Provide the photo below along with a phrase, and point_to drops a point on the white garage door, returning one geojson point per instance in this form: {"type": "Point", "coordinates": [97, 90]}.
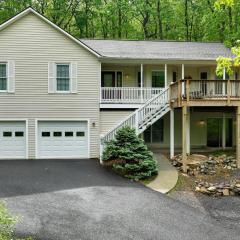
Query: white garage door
{"type": "Point", "coordinates": [62, 139]}
{"type": "Point", "coordinates": [12, 140]}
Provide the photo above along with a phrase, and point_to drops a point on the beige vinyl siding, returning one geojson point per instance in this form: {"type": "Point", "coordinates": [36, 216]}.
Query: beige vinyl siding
{"type": "Point", "coordinates": [31, 138]}
{"type": "Point", "coordinates": [109, 119]}
{"type": "Point", "coordinates": [32, 43]}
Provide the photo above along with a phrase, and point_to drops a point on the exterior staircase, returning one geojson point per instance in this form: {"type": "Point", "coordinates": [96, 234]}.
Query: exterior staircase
{"type": "Point", "coordinates": [142, 118]}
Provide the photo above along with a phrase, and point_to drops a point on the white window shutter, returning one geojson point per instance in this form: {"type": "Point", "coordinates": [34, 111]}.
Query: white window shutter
{"type": "Point", "coordinates": [11, 76]}
{"type": "Point", "coordinates": [51, 77]}
{"type": "Point", "coordinates": [74, 82]}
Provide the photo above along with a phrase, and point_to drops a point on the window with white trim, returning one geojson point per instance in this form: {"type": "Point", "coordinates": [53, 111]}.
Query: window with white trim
{"type": "Point", "coordinates": [3, 77]}
{"type": "Point", "coordinates": [158, 79]}
{"type": "Point", "coordinates": [63, 77]}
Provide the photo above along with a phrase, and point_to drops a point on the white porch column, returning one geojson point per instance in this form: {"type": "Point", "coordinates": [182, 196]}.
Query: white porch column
{"type": "Point", "coordinates": [141, 83]}
{"type": "Point", "coordinates": [183, 75]}
{"type": "Point", "coordinates": [183, 71]}
{"type": "Point", "coordinates": [224, 132]}
{"type": "Point", "coordinates": [166, 76]}
{"type": "Point", "coordinates": [188, 131]}
{"type": "Point", "coordinates": [172, 133]}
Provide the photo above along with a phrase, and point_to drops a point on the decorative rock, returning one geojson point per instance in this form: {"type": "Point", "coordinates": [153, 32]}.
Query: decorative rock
{"type": "Point", "coordinates": [226, 192]}
{"type": "Point", "coordinates": [212, 189]}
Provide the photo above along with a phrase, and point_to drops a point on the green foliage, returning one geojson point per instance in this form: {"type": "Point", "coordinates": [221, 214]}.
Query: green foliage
{"type": "Point", "coordinates": [224, 63]}
{"type": "Point", "coordinates": [223, 3]}
{"type": "Point", "coordinates": [229, 63]}
{"type": "Point", "coordinates": [134, 160]}
{"type": "Point", "coordinates": [6, 225]}
{"type": "Point", "coordinates": [213, 20]}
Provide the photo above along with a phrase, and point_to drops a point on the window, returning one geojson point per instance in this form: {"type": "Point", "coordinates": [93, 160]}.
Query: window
{"type": "Point", "coordinates": [68, 134]}
{"type": "Point", "coordinates": [57, 134]}
{"type": "Point", "coordinates": [3, 77]}
{"type": "Point", "coordinates": [7, 134]}
{"type": "Point", "coordinates": [174, 76]}
{"type": "Point", "coordinates": [80, 134]}
{"type": "Point", "coordinates": [46, 134]}
{"type": "Point", "coordinates": [19, 134]}
{"type": "Point", "coordinates": [63, 77]}
{"type": "Point", "coordinates": [158, 79]}
{"type": "Point", "coordinates": [155, 133]}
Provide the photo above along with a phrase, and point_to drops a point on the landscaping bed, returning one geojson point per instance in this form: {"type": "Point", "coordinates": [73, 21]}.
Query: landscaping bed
{"type": "Point", "coordinates": [215, 174]}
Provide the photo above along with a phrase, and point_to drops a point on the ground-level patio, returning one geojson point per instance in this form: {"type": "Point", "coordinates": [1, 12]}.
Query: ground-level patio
{"type": "Point", "coordinates": [79, 199]}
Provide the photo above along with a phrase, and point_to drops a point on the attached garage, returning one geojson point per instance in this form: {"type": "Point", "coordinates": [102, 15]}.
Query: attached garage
{"type": "Point", "coordinates": [62, 139]}
{"type": "Point", "coordinates": [13, 140]}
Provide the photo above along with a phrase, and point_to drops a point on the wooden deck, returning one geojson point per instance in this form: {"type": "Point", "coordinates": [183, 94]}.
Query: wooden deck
{"type": "Point", "coordinates": [205, 93]}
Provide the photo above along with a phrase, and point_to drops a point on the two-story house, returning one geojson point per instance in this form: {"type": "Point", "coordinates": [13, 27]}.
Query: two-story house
{"type": "Point", "coordinates": [62, 97]}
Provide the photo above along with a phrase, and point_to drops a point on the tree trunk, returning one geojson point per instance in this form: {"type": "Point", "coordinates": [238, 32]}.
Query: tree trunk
{"type": "Point", "coordinates": [160, 27]}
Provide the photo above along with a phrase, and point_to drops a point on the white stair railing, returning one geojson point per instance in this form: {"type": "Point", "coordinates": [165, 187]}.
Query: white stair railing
{"type": "Point", "coordinates": [148, 114]}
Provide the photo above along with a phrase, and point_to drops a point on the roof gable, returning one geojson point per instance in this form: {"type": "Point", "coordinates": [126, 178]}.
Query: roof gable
{"type": "Point", "coordinates": [31, 10]}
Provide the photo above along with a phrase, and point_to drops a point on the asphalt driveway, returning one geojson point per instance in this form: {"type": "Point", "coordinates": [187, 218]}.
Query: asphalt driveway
{"type": "Point", "coordinates": [73, 200]}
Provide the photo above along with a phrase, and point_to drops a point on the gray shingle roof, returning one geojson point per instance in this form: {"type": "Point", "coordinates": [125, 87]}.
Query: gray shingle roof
{"type": "Point", "coordinates": [167, 50]}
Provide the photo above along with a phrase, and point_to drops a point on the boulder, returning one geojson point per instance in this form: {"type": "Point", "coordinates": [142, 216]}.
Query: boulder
{"type": "Point", "coordinates": [226, 192]}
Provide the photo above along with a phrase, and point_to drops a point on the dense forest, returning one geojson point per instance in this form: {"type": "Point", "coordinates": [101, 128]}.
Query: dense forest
{"type": "Point", "coordinates": [188, 20]}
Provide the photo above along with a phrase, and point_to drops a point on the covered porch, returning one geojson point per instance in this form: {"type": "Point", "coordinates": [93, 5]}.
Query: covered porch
{"type": "Point", "coordinates": [135, 83]}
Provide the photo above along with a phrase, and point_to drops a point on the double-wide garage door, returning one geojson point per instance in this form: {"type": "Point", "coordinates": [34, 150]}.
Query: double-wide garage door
{"type": "Point", "coordinates": [13, 140]}
{"type": "Point", "coordinates": [62, 139]}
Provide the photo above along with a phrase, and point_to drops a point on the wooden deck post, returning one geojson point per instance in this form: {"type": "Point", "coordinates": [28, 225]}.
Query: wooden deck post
{"type": "Point", "coordinates": [238, 136]}
{"type": "Point", "coordinates": [179, 93]}
{"type": "Point", "coordinates": [184, 138]}
{"type": "Point", "coordinates": [188, 131]}
{"type": "Point", "coordinates": [172, 133]}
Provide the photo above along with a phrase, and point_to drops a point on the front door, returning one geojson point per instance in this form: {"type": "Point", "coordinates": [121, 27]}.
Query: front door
{"type": "Point", "coordinates": [158, 79]}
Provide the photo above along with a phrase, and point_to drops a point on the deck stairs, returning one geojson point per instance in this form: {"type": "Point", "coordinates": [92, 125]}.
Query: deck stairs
{"type": "Point", "coordinates": [142, 118]}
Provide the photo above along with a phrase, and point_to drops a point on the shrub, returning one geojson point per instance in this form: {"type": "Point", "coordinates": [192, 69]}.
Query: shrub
{"type": "Point", "coordinates": [129, 156]}
{"type": "Point", "coordinates": [6, 225]}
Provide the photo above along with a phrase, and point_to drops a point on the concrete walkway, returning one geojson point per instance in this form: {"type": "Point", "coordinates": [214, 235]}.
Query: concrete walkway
{"type": "Point", "coordinates": [167, 175]}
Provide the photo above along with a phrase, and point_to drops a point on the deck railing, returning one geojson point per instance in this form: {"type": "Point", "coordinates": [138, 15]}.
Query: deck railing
{"type": "Point", "coordinates": [205, 89]}
{"type": "Point", "coordinates": [128, 95]}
